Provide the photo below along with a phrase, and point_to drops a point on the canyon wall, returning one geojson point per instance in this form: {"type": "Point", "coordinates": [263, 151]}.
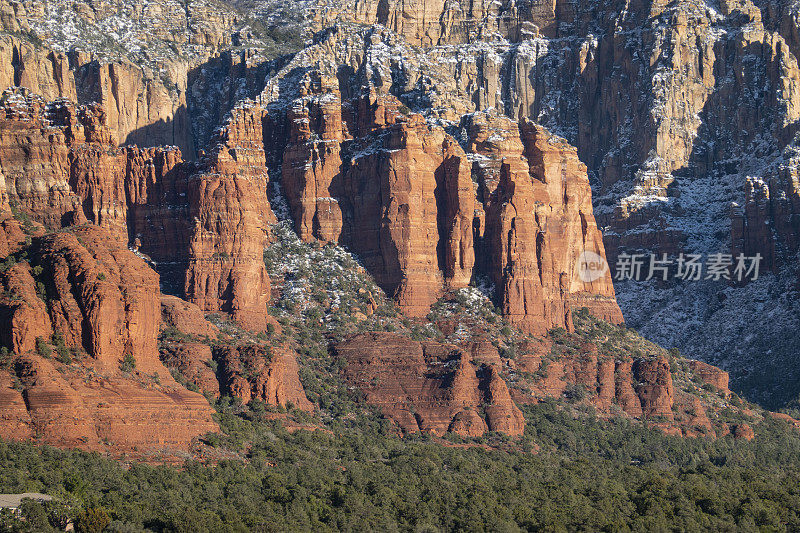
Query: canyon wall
{"type": "Point", "coordinates": [418, 205]}
{"type": "Point", "coordinates": [685, 114]}
{"type": "Point", "coordinates": [444, 144]}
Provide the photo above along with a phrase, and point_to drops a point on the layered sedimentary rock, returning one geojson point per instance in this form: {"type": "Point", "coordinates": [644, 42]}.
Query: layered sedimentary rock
{"type": "Point", "coordinates": [441, 22]}
{"type": "Point", "coordinates": [402, 194]}
{"type": "Point", "coordinates": [61, 161]}
{"type": "Point", "coordinates": [63, 408]}
{"type": "Point", "coordinates": [640, 387]}
{"type": "Point", "coordinates": [679, 109]}
{"type": "Point", "coordinates": [469, 387]}
{"type": "Point", "coordinates": [462, 188]}
{"type": "Point", "coordinates": [712, 376]}
{"type": "Point", "coordinates": [246, 371]}
{"type": "Point", "coordinates": [141, 108]}
{"type": "Point", "coordinates": [391, 188]}
{"type": "Point", "coordinates": [143, 82]}
{"type": "Point", "coordinates": [268, 374]}
{"type": "Point", "coordinates": [16, 421]}
{"type": "Point", "coordinates": [25, 315]}
{"type": "Point", "coordinates": [768, 223]}
{"type": "Point", "coordinates": [101, 297]}
{"type": "Point", "coordinates": [429, 387]}
{"type": "Point", "coordinates": [185, 341]}
{"type": "Point", "coordinates": [230, 215]}
{"type": "Point", "coordinates": [538, 223]}
{"type": "Point", "coordinates": [186, 317]}
{"type": "Point", "coordinates": [363, 172]}
{"type": "Point", "coordinates": [62, 167]}
{"type": "Point", "coordinates": [99, 303]}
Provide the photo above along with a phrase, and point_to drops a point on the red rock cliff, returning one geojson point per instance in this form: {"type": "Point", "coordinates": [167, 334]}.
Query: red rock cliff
{"type": "Point", "coordinates": [230, 215]}
{"type": "Point", "coordinates": [400, 193]}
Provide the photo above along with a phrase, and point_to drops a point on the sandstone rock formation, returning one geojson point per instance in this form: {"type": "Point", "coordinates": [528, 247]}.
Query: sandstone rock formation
{"type": "Point", "coordinates": [401, 194]}
{"type": "Point", "coordinates": [423, 144]}
{"type": "Point", "coordinates": [429, 387]}
{"type": "Point", "coordinates": [144, 83]}
{"type": "Point", "coordinates": [101, 300]}
{"type": "Point", "coordinates": [62, 167]}
{"type": "Point", "coordinates": [230, 216]}
{"type": "Point", "coordinates": [256, 372]}
{"type": "Point", "coordinates": [186, 318]}
{"type": "Point", "coordinates": [109, 414]}
{"type": "Point", "coordinates": [677, 109]}
{"type": "Point", "coordinates": [641, 388]}
{"type": "Point", "coordinates": [711, 375]}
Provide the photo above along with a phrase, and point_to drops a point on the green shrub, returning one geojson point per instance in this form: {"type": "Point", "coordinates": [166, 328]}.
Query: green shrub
{"type": "Point", "coordinates": [93, 520]}
{"type": "Point", "coordinates": [42, 348]}
{"type": "Point", "coordinates": [128, 363]}
{"type": "Point", "coordinates": [5, 357]}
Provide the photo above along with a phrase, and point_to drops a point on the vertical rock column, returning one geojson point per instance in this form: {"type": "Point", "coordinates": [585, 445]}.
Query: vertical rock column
{"type": "Point", "coordinates": [230, 216]}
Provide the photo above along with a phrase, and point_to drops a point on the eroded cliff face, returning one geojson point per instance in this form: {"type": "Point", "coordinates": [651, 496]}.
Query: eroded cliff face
{"type": "Point", "coordinates": [253, 372]}
{"type": "Point", "coordinates": [204, 226]}
{"type": "Point", "coordinates": [400, 196]}
{"type": "Point", "coordinates": [429, 387]}
{"type": "Point", "coordinates": [91, 214]}
{"type": "Point", "coordinates": [141, 108]}
{"type": "Point", "coordinates": [165, 73]}
{"type": "Point", "coordinates": [230, 213]}
{"type": "Point", "coordinates": [97, 303]}
{"type": "Point", "coordinates": [471, 387]}
{"type": "Point", "coordinates": [679, 110]}
{"type": "Point", "coordinates": [767, 223]}
{"type": "Point", "coordinates": [418, 207]}
{"type": "Point", "coordinates": [424, 146]}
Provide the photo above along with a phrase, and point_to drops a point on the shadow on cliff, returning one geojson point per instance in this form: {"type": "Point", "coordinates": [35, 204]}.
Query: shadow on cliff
{"type": "Point", "coordinates": [161, 227]}
{"type": "Point", "coordinates": [739, 120]}
{"type": "Point", "coordinates": [216, 86]}
{"type": "Point", "coordinates": [166, 132]}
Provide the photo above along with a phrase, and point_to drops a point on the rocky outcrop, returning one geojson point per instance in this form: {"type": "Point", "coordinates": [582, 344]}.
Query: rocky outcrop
{"type": "Point", "coordinates": [35, 158]}
{"type": "Point", "coordinates": [401, 193]}
{"type": "Point", "coordinates": [141, 108]}
{"type": "Point", "coordinates": [62, 167]}
{"type": "Point", "coordinates": [101, 297]}
{"type": "Point", "coordinates": [25, 314]}
{"type": "Point", "coordinates": [251, 372]}
{"type": "Point", "coordinates": [639, 387]}
{"type": "Point", "coordinates": [441, 22]}
{"type": "Point", "coordinates": [768, 223]}
{"type": "Point", "coordinates": [193, 362]}
{"type": "Point", "coordinates": [743, 431]}
{"type": "Point", "coordinates": [63, 408]}
{"type": "Point", "coordinates": [143, 82]}
{"type": "Point", "coordinates": [186, 318]}
{"type": "Point", "coordinates": [429, 387]}
{"type": "Point", "coordinates": [16, 421]}
{"type": "Point", "coordinates": [60, 161]}
{"type": "Point", "coordinates": [538, 222]}
{"type": "Point", "coordinates": [654, 389]}
{"type": "Point", "coordinates": [711, 375]}
{"type": "Point", "coordinates": [94, 297]}
{"type": "Point", "coordinates": [230, 213]}
{"type": "Point", "coordinates": [391, 188]}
